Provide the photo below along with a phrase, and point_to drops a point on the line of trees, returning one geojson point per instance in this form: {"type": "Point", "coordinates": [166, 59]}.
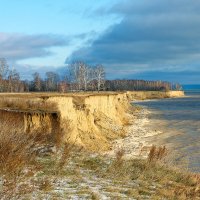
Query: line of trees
{"type": "Point", "coordinates": [79, 77]}
{"type": "Point", "coordinates": [114, 85]}
{"type": "Point", "coordinates": [49, 83]}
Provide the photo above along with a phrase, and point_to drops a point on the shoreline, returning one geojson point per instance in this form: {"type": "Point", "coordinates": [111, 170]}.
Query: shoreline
{"type": "Point", "coordinates": [136, 143]}
{"type": "Point", "coordinates": [179, 135]}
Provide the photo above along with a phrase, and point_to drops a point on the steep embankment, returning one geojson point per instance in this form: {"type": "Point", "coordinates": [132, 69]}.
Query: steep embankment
{"type": "Point", "coordinates": [90, 120]}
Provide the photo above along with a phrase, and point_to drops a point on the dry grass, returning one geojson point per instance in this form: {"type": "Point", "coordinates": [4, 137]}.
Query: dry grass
{"type": "Point", "coordinates": [65, 154]}
{"type": "Point", "coordinates": [119, 157]}
{"type": "Point", "coordinates": [56, 94]}
{"type": "Point", "coordinates": [15, 145]}
{"type": "Point", "coordinates": [15, 153]}
{"type": "Point", "coordinates": [156, 154]}
{"type": "Point", "coordinates": [27, 104]}
{"type": "Point", "coordinates": [45, 185]}
{"type": "Point", "coordinates": [55, 163]}
{"type": "Point", "coordinates": [11, 121]}
{"type": "Point", "coordinates": [18, 148]}
{"type": "Point", "coordinates": [23, 155]}
{"type": "Point", "coordinates": [167, 182]}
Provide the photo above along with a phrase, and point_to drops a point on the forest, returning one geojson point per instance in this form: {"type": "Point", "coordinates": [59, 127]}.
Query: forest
{"type": "Point", "coordinates": [79, 76]}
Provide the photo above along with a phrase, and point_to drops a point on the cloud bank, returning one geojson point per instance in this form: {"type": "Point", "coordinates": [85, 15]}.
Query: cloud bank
{"type": "Point", "coordinates": [153, 36]}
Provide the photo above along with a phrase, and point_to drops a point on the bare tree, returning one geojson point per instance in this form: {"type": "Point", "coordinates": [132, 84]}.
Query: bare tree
{"type": "Point", "coordinates": [80, 75]}
{"type": "Point", "coordinates": [52, 79]}
{"type": "Point", "coordinates": [74, 76]}
{"type": "Point", "coordinates": [4, 68]}
{"type": "Point", "coordinates": [3, 73]}
{"type": "Point", "coordinates": [63, 86]}
{"type": "Point", "coordinates": [99, 76]}
{"type": "Point", "coordinates": [37, 82]}
{"type": "Point", "coordinates": [85, 75]}
{"type": "Point", "coordinates": [14, 81]}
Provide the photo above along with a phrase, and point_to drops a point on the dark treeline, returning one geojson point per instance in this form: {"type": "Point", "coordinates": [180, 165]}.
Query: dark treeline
{"type": "Point", "coordinates": [79, 77]}
{"type": "Point", "coordinates": [137, 85]}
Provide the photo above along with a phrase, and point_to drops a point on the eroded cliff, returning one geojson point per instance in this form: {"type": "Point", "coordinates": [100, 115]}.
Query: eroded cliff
{"type": "Point", "coordinates": [89, 120]}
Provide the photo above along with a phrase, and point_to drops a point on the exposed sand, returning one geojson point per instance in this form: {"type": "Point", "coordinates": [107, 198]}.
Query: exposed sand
{"type": "Point", "coordinates": [136, 143]}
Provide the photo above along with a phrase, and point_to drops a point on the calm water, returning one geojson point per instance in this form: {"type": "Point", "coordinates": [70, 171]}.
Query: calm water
{"type": "Point", "coordinates": [179, 119]}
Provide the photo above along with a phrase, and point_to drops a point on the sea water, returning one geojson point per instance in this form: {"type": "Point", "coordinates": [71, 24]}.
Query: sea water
{"type": "Point", "coordinates": [179, 121]}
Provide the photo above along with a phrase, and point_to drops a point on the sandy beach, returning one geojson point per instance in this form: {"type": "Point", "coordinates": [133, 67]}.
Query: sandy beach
{"type": "Point", "coordinates": [136, 143]}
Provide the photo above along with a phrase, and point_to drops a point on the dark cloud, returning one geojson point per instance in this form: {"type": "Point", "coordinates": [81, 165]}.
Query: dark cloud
{"type": "Point", "coordinates": [152, 35]}
{"type": "Point", "coordinates": [183, 77]}
{"type": "Point", "coordinates": [146, 7]}
{"type": "Point", "coordinates": [17, 46]}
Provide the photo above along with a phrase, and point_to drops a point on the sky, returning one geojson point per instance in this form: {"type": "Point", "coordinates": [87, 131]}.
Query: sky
{"type": "Point", "coordinates": [151, 40]}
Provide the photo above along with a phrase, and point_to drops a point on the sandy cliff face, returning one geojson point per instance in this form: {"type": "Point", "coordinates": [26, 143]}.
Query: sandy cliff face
{"type": "Point", "coordinates": [30, 122]}
{"type": "Point", "coordinates": [175, 94]}
{"type": "Point", "coordinates": [40, 121]}
{"type": "Point", "coordinates": [93, 120]}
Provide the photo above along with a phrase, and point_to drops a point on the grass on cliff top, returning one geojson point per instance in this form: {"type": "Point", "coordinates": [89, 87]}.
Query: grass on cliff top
{"type": "Point", "coordinates": [38, 101]}
{"type": "Point", "coordinates": [27, 104]}
{"type": "Point", "coordinates": [57, 94]}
